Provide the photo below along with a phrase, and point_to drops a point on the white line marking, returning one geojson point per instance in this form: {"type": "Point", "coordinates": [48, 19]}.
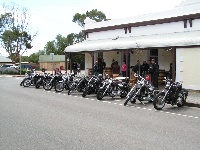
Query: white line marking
{"type": "Point", "coordinates": [173, 113]}
{"type": "Point", "coordinates": [178, 114]}
{"type": "Point", "coordinates": [121, 104]}
{"type": "Point", "coordinates": [75, 96]}
{"type": "Point", "coordinates": [196, 117]}
{"type": "Point", "coordinates": [149, 109]}
{"type": "Point", "coordinates": [109, 102]}
{"type": "Point", "coordinates": [115, 103]}
{"type": "Point", "coordinates": [138, 107]}
{"type": "Point", "coordinates": [64, 94]}
{"type": "Point", "coordinates": [92, 99]}
{"type": "Point", "coordinates": [167, 112]}
{"type": "Point", "coordinates": [117, 100]}
{"type": "Point", "coordinates": [144, 108]}
{"type": "Point", "coordinates": [104, 101]}
{"type": "Point", "coordinates": [190, 116]}
{"type": "Point", "coordinates": [184, 115]}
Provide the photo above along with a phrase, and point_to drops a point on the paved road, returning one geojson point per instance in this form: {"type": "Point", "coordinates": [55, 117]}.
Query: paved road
{"type": "Point", "coordinates": [36, 119]}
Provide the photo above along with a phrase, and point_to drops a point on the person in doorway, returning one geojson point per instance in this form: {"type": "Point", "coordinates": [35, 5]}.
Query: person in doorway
{"type": "Point", "coordinates": [145, 68]}
{"type": "Point", "coordinates": [96, 69]}
{"type": "Point", "coordinates": [116, 68]}
{"type": "Point", "coordinates": [138, 68]}
{"type": "Point", "coordinates": [113, 62]}
{"type": "Point", "coordinates": [123, 69]}
{"type": "Point", "coordinates": [75, 66]}
{"type": "Point", "coordinates": [103, 64]}
{"type": "Point", "coordinates": [154, 70]}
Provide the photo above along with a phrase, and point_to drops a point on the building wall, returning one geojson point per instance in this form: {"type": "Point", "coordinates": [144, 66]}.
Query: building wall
{"type": "Point", "coordinates": [49, 66]}
{"type": "Point", "coordinates": [146, 30]}
{"type": "Point", "coordinates": [187, 69]}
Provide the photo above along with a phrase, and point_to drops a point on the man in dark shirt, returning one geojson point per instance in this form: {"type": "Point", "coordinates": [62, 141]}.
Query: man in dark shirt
{"type": "Point", "coordinates": [154, 70]}
{"type": "Point", "coordinates": [75, 67]}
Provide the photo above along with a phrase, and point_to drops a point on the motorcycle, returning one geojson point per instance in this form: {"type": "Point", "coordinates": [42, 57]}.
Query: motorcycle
{"type": "Point", "coordinates": [114, 88]}
{"type": "Point", "coordinates": [142, 91]}
{"type": "Point", "coordinates": [64, 83]}
{"type": "Point", "coordinates": [40, 81]}
{"type": "Point", "coordinates": [28, 76]}
{"type": "Point", "coordinates": [30, 79]}
{"type": "Point", "coordinates": [93, 85]}
{"type": "Point", "coordinates": [78, 84]}
{"type": "Point", "coordinates": [173, 94]}
{"type": "Point", "coordinates": [51, 80]}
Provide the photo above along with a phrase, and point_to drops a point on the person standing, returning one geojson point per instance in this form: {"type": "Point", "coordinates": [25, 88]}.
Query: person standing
{"type": "Point", "coordinates": [138, 68]}
{"type": "Point", "coordinates": [96, 69]}
{"type": "Point", "coordinates": [113, 62]}
{"type": "Point", "coordinates": [116, 68]}
{"type": "Point", "coordinates": [123, 69]}
{"type": "Point", "coordinates": [75, 67]}
{"type": "Point", "coordinates": [145, 68]}
{"type": "Point", "coordinates": [154, 70]}
{"type": "Point", "coordinates": [103, 66]}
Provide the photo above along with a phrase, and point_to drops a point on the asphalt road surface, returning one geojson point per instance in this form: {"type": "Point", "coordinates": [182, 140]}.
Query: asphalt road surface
{"type": "Point", "coordinates": [34, 119]}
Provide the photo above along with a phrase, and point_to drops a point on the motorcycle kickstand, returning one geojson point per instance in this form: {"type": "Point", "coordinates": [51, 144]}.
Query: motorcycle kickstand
{"type": "Point", "coordinates": [142, 103]}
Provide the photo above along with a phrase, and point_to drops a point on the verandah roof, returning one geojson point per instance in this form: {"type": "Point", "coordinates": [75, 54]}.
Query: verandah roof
{"type": "Point", "coordinates": [146, 41]}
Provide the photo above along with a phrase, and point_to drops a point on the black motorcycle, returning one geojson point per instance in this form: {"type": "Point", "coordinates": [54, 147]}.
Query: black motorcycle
{"type": "Point", "coordinates": [112, 88]}
{"type": "Point", "coordinates": [93, 85]}
{"type": "Point", "coordinates": [173, 94]}
{"type": "Point", "coordinates": [30, 80]}
{"type": "Point", "coordinates": [78, 84]}
{"type": "Point", "coordinates": [51, 80]}
{"type": "Point", "coordinates": [142, 91]}
{"type": "Point", "coordinates": [40, 81]}
{"type": "Point", "coordinates": [28, 77]}
{"type": "Point", "coordinates": [64, 83]}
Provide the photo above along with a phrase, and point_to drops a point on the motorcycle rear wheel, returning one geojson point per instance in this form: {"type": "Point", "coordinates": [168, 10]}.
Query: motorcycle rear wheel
{"type": "Point", "coordinates": [158, 101]}
{"type": "Point", "coordinates": [100, 95]}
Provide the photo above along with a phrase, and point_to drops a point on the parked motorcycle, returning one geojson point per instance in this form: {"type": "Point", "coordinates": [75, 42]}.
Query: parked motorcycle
{"type": "Point", "coordinates": [93, 85]}
{"type": "Point", "coordinates": [112, 88]}
{"type": "Point", "coordinates": [78, 84]}
{"type": "Point", "coordinates": [30, 80]}
{"type": "Point", "coordinates": [142, 91]}
{"type": "Point", "coordinates": [51, 80]}
{"type": "Point", "coordinates": [64, 83]}
{"type": "Point", "coordinates": [28, 76]}
{"type": "Point", "coordinates": [173, 94]}
{"type": "Point", "coordinates": [40, 81]}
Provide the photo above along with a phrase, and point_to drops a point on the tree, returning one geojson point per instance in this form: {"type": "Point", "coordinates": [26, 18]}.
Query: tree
{"type": "Point", "coordinates": [34, 58]}
{"type": "Point", "coordinates": [15, 33]}
{"type": "Point", "coordinates": [94, 14]}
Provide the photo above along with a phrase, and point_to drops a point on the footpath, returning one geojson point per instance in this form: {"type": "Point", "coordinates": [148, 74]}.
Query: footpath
{"type": "Point", "coordinates": [193, 99]}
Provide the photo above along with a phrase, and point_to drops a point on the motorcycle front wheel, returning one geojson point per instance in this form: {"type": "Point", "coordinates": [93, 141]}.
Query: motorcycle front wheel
{"type": "Point", "coordinates": [159, 101]}
{"type": "Point", "coordinates": [100, 95]}
{"type": "Point", "coordinates": [59, 87]}
{"type": "Point", "coordinates": [47, 85]}
{"type": "Point", "coordinates": [27, 83]}
{"type": "Point", "coordinates": [84, 92]}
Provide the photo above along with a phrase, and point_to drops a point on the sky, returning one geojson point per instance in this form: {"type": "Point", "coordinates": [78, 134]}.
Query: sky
{"type": "Point", "coordinates": [52, 17]}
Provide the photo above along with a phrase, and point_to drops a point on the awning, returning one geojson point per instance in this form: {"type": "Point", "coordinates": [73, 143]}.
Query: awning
{"type": "Point", "coordinates": [191, 38]}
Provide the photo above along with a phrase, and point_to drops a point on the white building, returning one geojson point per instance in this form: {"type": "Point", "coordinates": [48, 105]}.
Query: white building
{"type": "Point", "coordinates": [171, 36]}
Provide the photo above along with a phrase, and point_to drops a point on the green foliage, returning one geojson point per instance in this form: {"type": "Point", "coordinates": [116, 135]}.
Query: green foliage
{"type": "Point", "coordinates": [15, 36]}
{"type": "Point", "coordinates": [34, 58]}
{"type": "Point", "coordinates": [10, 71]}
{"type": "Point", "coordinates": [94, 14]}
